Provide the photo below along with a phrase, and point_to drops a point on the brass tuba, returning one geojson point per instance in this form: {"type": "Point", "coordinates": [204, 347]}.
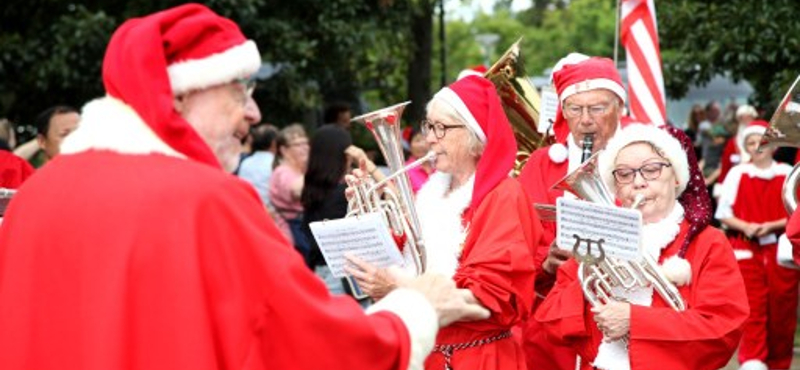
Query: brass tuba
{"type": "Point", "coordinates": [520, 101]}
{"type": "Point", "coordinates": [784, 130]}
{"type": "Point", "coordinates": [396, 202]}
{"type": "Point", "coordinates": [599, 277]}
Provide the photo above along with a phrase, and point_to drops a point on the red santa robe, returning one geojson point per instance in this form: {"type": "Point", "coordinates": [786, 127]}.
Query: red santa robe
{"type": "Point", "coordinates": [545, 167]}
{"type": "Point", "coordinates": [491, 254]}
{"type": "Point", "coordinates": [704, 336]}
{"type": "Point", "coordinates": [123, 254]}
{"type": "Point", "coordinates": [754, 195]}
{"type": "Point", "coordinates": [13, 170]}
{"type": "Point", "coordinates": [732, 155]}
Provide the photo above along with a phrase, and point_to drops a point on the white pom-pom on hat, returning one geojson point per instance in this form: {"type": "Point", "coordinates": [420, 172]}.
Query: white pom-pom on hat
{"type": "Point", "coordinates": [677, 270]}
{"type": "Point", "coordinates": [557, 153]}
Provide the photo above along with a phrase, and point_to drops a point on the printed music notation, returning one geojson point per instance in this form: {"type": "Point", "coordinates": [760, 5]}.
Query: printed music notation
{"type": "Point", "coordinates": [365, 236]}
{"type": "Point", "coordinates": [620, 228]}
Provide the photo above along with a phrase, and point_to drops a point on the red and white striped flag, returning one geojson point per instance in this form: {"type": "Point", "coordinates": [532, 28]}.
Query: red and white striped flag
{"type": "Point", "coordinates": [639, 34]}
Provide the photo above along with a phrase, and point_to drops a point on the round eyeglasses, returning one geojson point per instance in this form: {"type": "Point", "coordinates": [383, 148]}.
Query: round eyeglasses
{"type": "Point", "coordinates": [594, 111]}
{"type": "Point", "coordinates": [439, 129]}
{"type": "Point", "coordinates": [649, 172]}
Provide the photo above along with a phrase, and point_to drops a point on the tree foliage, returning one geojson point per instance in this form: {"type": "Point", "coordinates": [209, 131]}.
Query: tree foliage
{"type": "Point", "coordinates": [752, 40]}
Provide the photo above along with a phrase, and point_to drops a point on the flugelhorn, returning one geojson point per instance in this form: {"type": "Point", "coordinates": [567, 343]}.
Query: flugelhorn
{"type": "Point", "coordinates": [784, 130]}
{"type": "Point", "coordinates": [520, 100]}
{"type": "Point", "coordinates": [395, 202]}
{"type": "Point", "coordinates": [600, 277]}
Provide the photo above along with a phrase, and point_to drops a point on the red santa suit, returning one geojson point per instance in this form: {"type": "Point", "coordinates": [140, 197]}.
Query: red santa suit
{"type": "Point", "coordinates": [703, 336]}
{"type": "Point", "coordinates": [13, 170]}
{"type": "Point", "coordinates": [134, 250]}
{"type": "Point", "coordinates": [483, 235]}
{"type": "Point", "coordinates": [754, 195]}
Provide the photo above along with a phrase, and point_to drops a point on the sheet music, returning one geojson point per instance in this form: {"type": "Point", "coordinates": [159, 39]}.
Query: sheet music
{"type": "Point", "coordinates": [549, 104]}
{"type": "Point", "coordinates": [365, 236]}
{"type": "Point", "coordinates": [619, 227]}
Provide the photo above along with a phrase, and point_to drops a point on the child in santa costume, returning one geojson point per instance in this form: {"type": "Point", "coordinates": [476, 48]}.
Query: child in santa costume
{"type": "Point", "coordinates": [134, 249]}
{"type": "Point", "coordinates": [478, 226]}
{"type": "Point", "coordinates": [751, 208]}
{"type": "Point", "coordinates": [639, 329]}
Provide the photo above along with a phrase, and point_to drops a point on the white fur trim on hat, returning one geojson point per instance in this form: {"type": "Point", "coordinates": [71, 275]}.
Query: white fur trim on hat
{"type": "Point", "coordinates": [753, 365]}
{"type": "Point", "coordinates": [746, 109]}
{"type": "Point", "coordinates": [750, 130]}
{"type": "Point", "coordinates": [195, 74]}
{"type": "Point", "coordinates": [593, 84]}
{"type": "Point", "coordinates": [636, 132]}
{"type": "Point", "coordinates": [450, 97]}
{"type": "Point", "coordinates": [572, 58]}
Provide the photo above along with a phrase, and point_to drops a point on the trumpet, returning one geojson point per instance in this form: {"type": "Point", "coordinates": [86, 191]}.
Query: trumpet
{"type": "Point", "coordinates": [784, 130]}
{"type": "Point", "coordinates": [395, 202]}
{"type": "Point", "coordinates": [600, 275]}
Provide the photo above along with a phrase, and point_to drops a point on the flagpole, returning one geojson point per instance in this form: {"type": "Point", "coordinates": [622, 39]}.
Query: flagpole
{"type": "Point", "coordinates": [616, 35]}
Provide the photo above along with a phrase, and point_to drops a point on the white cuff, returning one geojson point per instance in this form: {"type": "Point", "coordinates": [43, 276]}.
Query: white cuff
{"type": "Point", "coordinates": [419, 317]}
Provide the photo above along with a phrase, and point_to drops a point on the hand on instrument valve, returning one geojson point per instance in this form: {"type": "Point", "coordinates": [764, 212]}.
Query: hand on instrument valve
{"type": "Point", "coordinates": [613, 319]}
{"type": "Point", "coordinates": [555, 258]}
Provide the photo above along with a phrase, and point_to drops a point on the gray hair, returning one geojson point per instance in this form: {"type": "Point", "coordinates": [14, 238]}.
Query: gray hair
{"type": "Point", "coordinates": [473, 142]}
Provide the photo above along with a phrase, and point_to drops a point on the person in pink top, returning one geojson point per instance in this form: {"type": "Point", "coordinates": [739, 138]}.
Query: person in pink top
{"type": "Point", "coordinates": [418, 147]}
{"type": "Point", "coordinates": [286, 183]}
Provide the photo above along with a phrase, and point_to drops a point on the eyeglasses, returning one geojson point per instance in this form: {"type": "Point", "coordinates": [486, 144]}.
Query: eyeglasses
{"type": "Point", "coordinates": [439, 129]}
{"type": "Point", "coordinates": [249, 85]}
{"type": "Point", "coordinates": [649, 172]}
{"type": "Point", "coordinates": [594, 111]}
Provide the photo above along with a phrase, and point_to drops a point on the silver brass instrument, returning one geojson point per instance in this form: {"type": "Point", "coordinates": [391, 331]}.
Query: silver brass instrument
{"type": "Point", "coordinates": [521, 102]}
{"type": "Point", "coordinates": [395, 202]}
{"type": "Point", "coordinates": [599, 273]}
{"type": "Point", "coordinates": [5, 198]}
{"type": "Point", "coordinates": [784, 130]}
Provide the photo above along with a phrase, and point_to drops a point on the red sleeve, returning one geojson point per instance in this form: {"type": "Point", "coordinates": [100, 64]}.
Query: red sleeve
{"type": "Point", "coordinates": [706, 334]}
{"type": "Point", "coordinates": [295, 323]}
{"type": "Point", "coordinates": [725, 162]}
{"type": "Point", "coordinates": [565, 315]}
{"type": "Point", "coordinates": [497, 261]}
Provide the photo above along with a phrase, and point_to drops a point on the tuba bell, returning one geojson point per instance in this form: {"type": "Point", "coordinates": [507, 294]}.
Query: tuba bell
{"type": "Point", "coordinates": [784, 130]}
{"type": "Point", "coordinates": [395, 202]}
{"type": "Point", "coordinates": [598, 279]}
{"type": "Point", "coordinates": [521, 102]}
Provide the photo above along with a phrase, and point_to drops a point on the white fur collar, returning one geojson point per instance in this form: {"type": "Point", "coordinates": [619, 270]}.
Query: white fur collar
{"type": "Point", "coordinates": [768, 173]}
{"type": "Point", "coordinates": [656, 237]}
{"type": "Point", "coordinates": [110, 124]}
{"type": "Point", "coordinates": [440, 216]}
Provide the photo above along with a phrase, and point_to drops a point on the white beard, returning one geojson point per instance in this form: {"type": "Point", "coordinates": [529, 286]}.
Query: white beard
{"type": "Point", "coordinates": [440, 219]}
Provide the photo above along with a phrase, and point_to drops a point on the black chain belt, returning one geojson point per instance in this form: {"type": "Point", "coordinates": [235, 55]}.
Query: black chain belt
{"type": "Point", "coordinates": [447, 349]}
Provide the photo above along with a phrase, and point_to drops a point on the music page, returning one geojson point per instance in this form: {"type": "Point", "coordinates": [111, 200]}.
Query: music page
{"type": "Point", "coordinates": [365, 236]}
{"type": "Point", "coordinates": [618, 228]}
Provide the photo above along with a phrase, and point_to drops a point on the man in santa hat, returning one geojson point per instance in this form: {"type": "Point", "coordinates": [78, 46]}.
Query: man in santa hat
{"type": "Point", "coordinates": [134, 249]}
{"type": "Point", "coordinates": [591, 101]}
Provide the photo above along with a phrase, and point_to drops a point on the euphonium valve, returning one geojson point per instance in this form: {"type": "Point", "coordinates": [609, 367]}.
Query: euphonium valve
{"type": "Point", "coordinates": [396, 202]}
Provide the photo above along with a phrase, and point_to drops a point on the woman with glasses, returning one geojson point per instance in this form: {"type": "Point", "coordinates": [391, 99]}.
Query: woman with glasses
{"type": "Point", "coordinates": [478, 227]}
{"type": "Point", "coordinates": [286, 184]}
{"type": "Point", "coordinates": [638, 329]}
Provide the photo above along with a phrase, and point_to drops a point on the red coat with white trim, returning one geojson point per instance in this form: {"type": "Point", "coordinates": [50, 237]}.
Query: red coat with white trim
{"type": "Point", "coordinates": [702, 337]}
{"type": "Point", "coordinates": [112, 261]}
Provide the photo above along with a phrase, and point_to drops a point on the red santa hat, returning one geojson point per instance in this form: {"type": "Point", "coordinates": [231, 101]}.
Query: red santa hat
{"type": "Point", "coordinates": [149, 60]}
{"type": "Point", "coordinates": [577, 73]}
{"type": "Point", "coordinates": [475, 100]}
{"type": "Point", "coordinates": [756, 127]}
{"type": "Point", "coordinates": [478, 70]}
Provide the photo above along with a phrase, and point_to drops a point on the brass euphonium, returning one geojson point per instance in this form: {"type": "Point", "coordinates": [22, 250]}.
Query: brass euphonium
{"type": "Point", "coordinates": [395, 202]}
{"type": "Point", "coordinates": [784, 130]}
{"type": "Point", "coordinates": [599, 278]}
{"type": "Point", "coordinates": [521, 102]}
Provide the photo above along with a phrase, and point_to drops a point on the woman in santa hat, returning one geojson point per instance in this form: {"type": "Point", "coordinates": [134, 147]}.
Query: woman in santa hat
{"type": "Point", "coordinates": [639, 329]}
{"type": "Point", "coordinates": [750, 207]}
{"type": "Point", "coordinates": [477, 224]}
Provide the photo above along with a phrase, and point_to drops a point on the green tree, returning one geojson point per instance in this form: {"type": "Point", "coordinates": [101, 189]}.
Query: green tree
{"type": "Point", "coordinates": [751, 40]}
